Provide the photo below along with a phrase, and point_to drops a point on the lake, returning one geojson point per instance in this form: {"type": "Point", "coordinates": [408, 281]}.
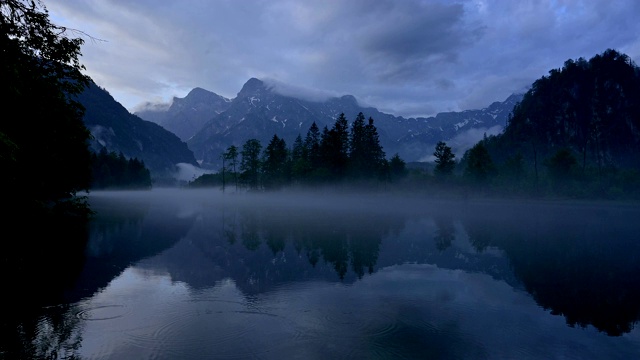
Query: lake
{"type": "Point", "coordinates": [201, 274]}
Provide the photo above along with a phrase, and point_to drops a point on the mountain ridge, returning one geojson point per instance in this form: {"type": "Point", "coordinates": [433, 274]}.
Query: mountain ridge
{"type": "Point", "coordinates": [112, 126]}
{"type": "Point", "coordinates": [260, 111]}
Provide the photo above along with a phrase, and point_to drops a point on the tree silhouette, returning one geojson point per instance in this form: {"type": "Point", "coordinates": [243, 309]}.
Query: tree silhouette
{"type": "Point", "coordinates": [445, 162]}
{"type": "Point", "coordinates": [43, 140]}
{"type": "Point", "coordinates": [274, 164]}
{"type": "Point", "coordinates": [250, 163]}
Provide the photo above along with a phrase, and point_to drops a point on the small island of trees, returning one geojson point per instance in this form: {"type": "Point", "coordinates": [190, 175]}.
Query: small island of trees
{"type": "Point", "coordinates": [574, 135]}
{"type": "Point", "coordinates": [338, 155]}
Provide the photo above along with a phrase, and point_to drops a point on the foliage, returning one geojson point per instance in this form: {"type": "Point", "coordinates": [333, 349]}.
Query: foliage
{"type": "Point", "coordinates": [275, 164]}
{"type": "Point", "coordinates": [334, 148]}
{"type": "Point", "coordinates": [231, 155]}
{"type": "Point", "coordinates": [397, 168]}
{"type": "Point", "coordinates": [445, 160]}
{"type": "Point", "coordinates": [250, 165]}
{"type": "Point", "coordinates": [113, 171]}
{"type": "Point", "coordinates": [589, 107]}
{"type": "Point", "coordinates": [573, 134]}
{"type": "Point", "coordinates": [479, 165]}
{"type": "Point", "coordinates": [330, 156]}
{"type": "Point", "coordinates": [44, 142]}
{"type": "Point", "coordinates": [561, 165]}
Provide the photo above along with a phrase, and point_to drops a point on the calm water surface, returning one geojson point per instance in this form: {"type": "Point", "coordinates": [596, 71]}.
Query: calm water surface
{"type": "Point", "coordinates": [198, 274]}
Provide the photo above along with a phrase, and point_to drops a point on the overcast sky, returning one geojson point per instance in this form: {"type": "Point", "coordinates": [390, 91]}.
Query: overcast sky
{"type": "Point", "coordinates": [404, 57]}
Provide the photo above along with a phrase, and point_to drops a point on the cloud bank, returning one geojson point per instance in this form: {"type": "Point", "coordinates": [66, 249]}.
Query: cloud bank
{"type": "Point", "coordinates": [408, 58]}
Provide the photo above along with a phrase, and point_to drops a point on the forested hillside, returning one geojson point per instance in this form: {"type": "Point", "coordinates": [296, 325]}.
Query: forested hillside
{"type": "Point", "coordinates": [578, 126]}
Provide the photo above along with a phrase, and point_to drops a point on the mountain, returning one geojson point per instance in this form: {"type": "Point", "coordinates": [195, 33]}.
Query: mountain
{"type": "Point", "coordinates": [259, 111]}
{"type": "Point", "coordinates": [114, 127]}
{"type": "Point", "coordinates": [185, 116]}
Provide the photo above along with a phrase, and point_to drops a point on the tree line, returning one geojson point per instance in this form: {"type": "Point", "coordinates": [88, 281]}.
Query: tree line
{"type": "Point", "coordinates": [111, 170]}
{"type": "Point", "coordinates": [333, 155]}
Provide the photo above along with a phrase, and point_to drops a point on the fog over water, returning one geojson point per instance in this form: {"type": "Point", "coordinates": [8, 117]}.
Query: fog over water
{"type": "Point", "coordinates": [198, 273]}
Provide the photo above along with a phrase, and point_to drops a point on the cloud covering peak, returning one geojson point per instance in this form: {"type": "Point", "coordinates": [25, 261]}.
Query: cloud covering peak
{"type": "Point", "coordinates": [409, 58]}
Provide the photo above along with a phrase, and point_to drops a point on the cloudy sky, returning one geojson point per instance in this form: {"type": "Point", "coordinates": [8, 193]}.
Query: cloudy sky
{"type": "Point", "coordinates": [408, 57]}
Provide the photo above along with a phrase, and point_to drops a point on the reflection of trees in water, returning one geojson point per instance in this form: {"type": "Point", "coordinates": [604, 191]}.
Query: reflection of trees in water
{"type": "Point", "coordinates": [445, 232]}
{"type": "Point", "coordinates": [64, 260]}
{"type": "Point", "coordinates": [345, 240]}
{"type": "Point", "coordinates": [249, 230]}
{"type": "Point", "coordinates": [37, 268]}
{"type": "Point", "coordinates": [579, 263]}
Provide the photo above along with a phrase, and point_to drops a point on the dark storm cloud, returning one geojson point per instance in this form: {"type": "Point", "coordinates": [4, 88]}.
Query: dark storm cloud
{"type": "Point", "coordinates": [407, 57]}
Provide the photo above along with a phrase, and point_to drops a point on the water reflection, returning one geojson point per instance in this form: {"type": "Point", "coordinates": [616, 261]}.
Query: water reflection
{"type": "Point", "coordinates": [580, 262]}
{"type": "Point", "coordinates": [54, 262]}
{"type": "Point", "coordinates": [40, 263]}
{"type": "Point", "coordinates": [207, 273]}
{"type": "Point", "coordinates": [564, 256]}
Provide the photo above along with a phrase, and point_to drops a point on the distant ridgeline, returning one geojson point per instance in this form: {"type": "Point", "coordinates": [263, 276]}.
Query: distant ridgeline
{"type": "Point", "coordinates": [576, 130]}
{"type": "Point", "coordinates": [575, 133]}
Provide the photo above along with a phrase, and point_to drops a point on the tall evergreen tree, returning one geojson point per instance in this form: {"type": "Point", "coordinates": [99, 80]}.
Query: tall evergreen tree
{"type": "Point", "coordinates": [274, 163]}
{"type": "Point", "coordinates": [250, 165]}
{"type": "Point", "coordinates": [397, 168]}
{"type": "Point", "coordinates": [47, 146]}
{"type": "Point", "coordinates": [358, 147]}
{"type": "Point", "coordinates": [231, 155]}
{"type": "Point", "coordinates": [300, 164]}
{"type": "Point", "coordinates": [334, 148]}
{"type": "Point", "coordinates": [445, 160]}
{"type": "Point", "coordinates": [312, 145]}
{"type": "Point", "coordinates": [480, 167]}
{"type": "Point", "coordinates": [374, 154]}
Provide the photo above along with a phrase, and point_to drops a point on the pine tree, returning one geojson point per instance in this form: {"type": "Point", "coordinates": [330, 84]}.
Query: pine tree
{"type": "Point", "coordinates": [374, 154]}
{"type": "Point", "coordinates": [357, 148]}
{"type": "Point", "coordinates": [250, 164]}
{"type": "Point", "coordinates": [445, 160]}
{"type": "Point", "coordinates": [274, 163]}
{"type": "Point", "coordinates": [334, 148]}
{"type": "Point", "coordinates": [480, 167]}
{"type": "Point", "coordinates": [232, 156]}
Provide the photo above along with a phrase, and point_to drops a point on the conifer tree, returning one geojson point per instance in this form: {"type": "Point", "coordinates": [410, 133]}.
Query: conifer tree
{"type": "Point", "coordinates": [250, 164]}
{"type": "Point", "coordinates": [357, 147]}
{"type": "Point", "coordinates": [274, 163]}
{"type": "Point", "coordinates": [445, 160]}
{"type": "Point", "coordinates": [374, 154]}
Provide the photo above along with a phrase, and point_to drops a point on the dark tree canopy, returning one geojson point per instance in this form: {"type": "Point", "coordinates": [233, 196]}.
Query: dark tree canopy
{"type": "Point", "coordinates": [275, 163]}
{"type": "Point", "coordinates": [250, 165]}
{"type": "Point", "coordinates": [589, 107]}
{"type": "Point", "coordinates": [445, 162]}
{"type": "Point", "coordinates": [44, 143]}
{"type": "Point", "coordinates": [480, 167]}
{"type": "Point", "coordinates": [111, 170]}
{"type": "Point", "coordinates": [331, 156]}
{"type": "Point", "coordinates": [334, 148]}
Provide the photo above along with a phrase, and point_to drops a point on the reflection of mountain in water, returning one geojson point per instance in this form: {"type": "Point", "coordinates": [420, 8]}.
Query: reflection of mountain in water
{"type": "Point", "coordinates": [122, 234]}
{"type": "Point", "coordinates": [260, 247]}
{"type": "Point", "coordinates": [575, 260]}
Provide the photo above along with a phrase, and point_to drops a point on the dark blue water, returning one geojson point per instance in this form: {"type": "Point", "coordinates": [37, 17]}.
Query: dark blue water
{"type": "Point", "coordinates": [184, 274]}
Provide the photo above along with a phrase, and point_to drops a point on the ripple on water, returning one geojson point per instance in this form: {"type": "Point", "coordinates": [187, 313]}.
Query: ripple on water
{"type": "Point", "coordinates": [225, 328]}
{"type": "Point", "coordinates": [102, 312]}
